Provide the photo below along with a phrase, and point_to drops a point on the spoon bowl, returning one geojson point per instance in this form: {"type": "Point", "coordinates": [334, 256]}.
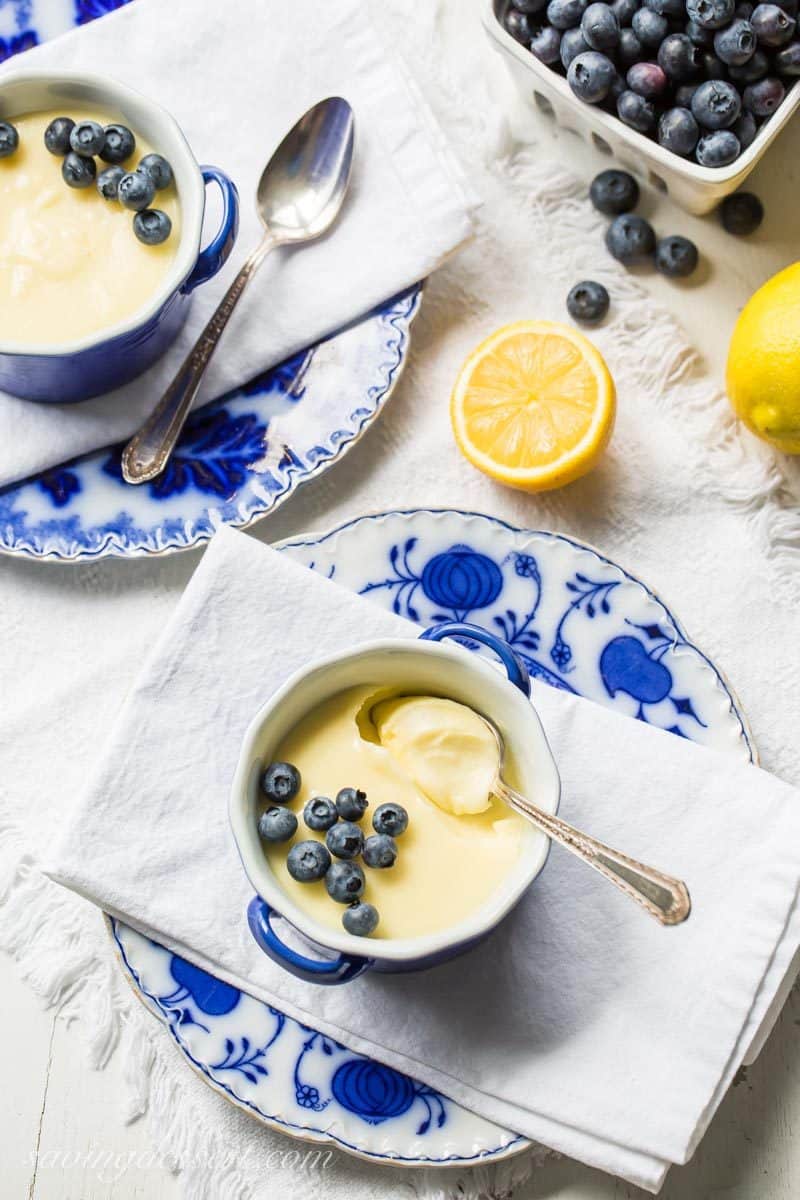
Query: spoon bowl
{"type": "Point", "coordinates": [662, 896]}
{"type": "Point", "coordinates": [302, 186]}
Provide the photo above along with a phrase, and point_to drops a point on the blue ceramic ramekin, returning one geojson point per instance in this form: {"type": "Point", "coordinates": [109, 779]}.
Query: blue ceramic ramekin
{"type": "Point", "coordinates": [112, 357]}
{"type": "Point", "coordinates": [423, 666]}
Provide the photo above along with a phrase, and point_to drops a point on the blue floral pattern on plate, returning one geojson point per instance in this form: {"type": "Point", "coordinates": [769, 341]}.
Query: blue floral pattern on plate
{"type": "Point", "coordinates": [223, 470]}
{"type": "Point", "coordinates": [581, 623]}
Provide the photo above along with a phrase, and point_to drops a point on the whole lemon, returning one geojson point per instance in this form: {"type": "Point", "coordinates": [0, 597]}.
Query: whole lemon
{"type": "Point", "coordinates": [763, 375]}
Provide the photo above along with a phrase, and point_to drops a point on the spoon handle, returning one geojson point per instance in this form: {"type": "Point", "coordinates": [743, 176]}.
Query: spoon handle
{"type": "Point", "coordinates": [149, 450]}
{"type": "Point", "coordinates": [664, 897]}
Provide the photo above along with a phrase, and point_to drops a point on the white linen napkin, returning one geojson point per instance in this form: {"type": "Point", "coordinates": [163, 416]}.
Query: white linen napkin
{"type": "Point", "coordinates": [236, 77]}
{"type": "Point", "coordinates": [580, 1022]}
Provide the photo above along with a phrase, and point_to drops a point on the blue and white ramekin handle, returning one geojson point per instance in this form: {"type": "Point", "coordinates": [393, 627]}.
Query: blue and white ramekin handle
{"type": "Point", "coordinates": [314, 970]}
{"type": "Point", "coordinates": [214, 256]}
{"type": "Point", "coordinates": [515, 665]}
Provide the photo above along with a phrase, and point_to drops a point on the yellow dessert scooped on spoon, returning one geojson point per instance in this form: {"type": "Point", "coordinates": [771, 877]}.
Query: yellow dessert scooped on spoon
{"type": "Point", "coordinates": [444, 747]}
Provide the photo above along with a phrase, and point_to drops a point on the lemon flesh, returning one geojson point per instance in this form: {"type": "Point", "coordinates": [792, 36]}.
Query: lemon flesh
{"type": "Point", "coordinates": [533, 405]}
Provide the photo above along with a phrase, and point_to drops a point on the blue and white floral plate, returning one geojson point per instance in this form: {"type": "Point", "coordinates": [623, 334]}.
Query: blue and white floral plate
{"type": "Point", "coordinates": [582, 624]}
{"type": "Point", "coordinates": [224, 469]}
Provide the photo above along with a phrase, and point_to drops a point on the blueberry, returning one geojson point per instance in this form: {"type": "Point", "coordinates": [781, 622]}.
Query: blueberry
{"type": "Point", "coordinates": [750, 72]}
{"type": "Point", "coordinates": [566, 14]}
{"type": "Point", "coordinates": [736, 44]}
{"type": "Point", "coordinates": [546, 45]}
{"type": "Point", "coordinates": [745, 129]}
{"type": "Point", "coordinates": [678, 131]}
{"type": "Point", "coordinates": [714, 68]}
{"type": "Point", "coordinates": [573, 43]}
{"type": "Point", "coordinates": [600, 27]}
{"type": "Point", "coordinates": [345, 840]}
{"type": "Point", "coordinates": [741, 213]}
{"type": "Point", "coordinates": [591, 76]}
{"type": "Point", "coordinates": [787, 60]}
{"type": "Point", "coordinates": [716, 104]}
{"type": "Point", "coordinates": [320, 813]}
{"type": "Point", "coordinates": [637, 112]}
{"type": "Point", "coordinates": [519, 26]}
{"type": "Point", "coordinates": [679, 58]}
{"type": "Point", "coordinates": [152, 226]}
{"type": "Point", "coordinates": [360, 919]}
{"type": "Point", "coordinates": [9, 139]}
{"type": "Point", "coordinates": [624, 11]}
{"type": "Point", "coordinates": [683, 95]}
{"type": "Point", "coordinates": [762, 98]}
{"type": "Point", "coordinates": [650, 28]}
{"type": "Point", "coordinates": [718, 149]}
{"type": "Point", "coordinates": [159, 170]}
{"type": "Point", "coordinates": [87, 138]}
{"type": "Point", "coordinates": [78, 172]}
{"type": "Point", "coordinates": [344, 881]}
{"type": "Point", "coordinates": [380, 851]}
{"type": "Point", "coordinates": [630, 239]}
{"type": "Point", "coordinates": [280, 782]}
{"type": "Point", "coordinates": [675, 9]}
{"type": "Point", "coordinates": [390, 818]}
{"type": "Point", "coordinates": [704, 38]}
{"type": "Point", "coordinates": [108, 182]}
{"type": "Point", "coordinates": [613, 192]}
{"type": "Point", "coordinates": [528, 6]}
{"type": "Point", "coordinates": [307, 861]}
{"type": "Point", "coordinates": [351, 804]}
{"type": "Point", "coordinates": [676, 256]}
{"type": "Point", "coordinates": [711, 14]}
{"type": "Point", "coordinates": [136, 190]}
{"type": "Point", "coordinates": [120, 144]}
{"type": "Point", "coordinates": [277, 825]}
{"type": "Point", "coordinates": [588, 302]}
{"type": "Point", "coordinates": [647, 79]}
{"type": "Point", "coordinates": [772, 26]}
{"type": "Point", "coordinates": [56, 136]}
{"type": "Point", "coordinates": [630, 49]}
{"type": "Point", "coordinates": [618, 86]}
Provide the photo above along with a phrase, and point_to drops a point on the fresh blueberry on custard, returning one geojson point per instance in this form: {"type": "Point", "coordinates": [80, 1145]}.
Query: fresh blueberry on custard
{"type": "Point", "coordinates": [380, 851]}
{"type": "Point", "coordinates": [320, 814]}
{"type": "Point", "coordinates": [87, 138]}
{"type": "Point", "coordinates": [345, 840]}
{"type": "Point", "coordinates": [78, 172]}
{"type": "Point", "coordinates": [280, 782]}
{"type": "Point", "coordinates": [108, 182]}
{"type": "Point", "coordinates": [360, 919]}
{"type": "Point", "coordinates": [159, 170]}
{"type": "Point", "coordinates": [56, 136]}
{"type": "Point", "coordinates": [351, 804]}
{"type": "Point", "coordinates": [344, 881]}
{"type": "Point", "coordinates": [308, 861]}
{"type": "Point", "coordinates": [390, 818]}
{"type": "Point", "coordinates": [136, 190]}
{"type": "Point", "coordinates": [277, 824]}
{"type": "Point", "coordinates": [119, 145]}
{"type": "Point", "coordinates": [152, 226]}
{"type": "Point", "coordinates": [9, 139]}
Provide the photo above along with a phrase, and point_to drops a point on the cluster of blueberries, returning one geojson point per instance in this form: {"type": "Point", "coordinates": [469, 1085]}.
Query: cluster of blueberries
{"type": "Point", "coordinates": [632, 239]}
{"type": "Point", "coordinates": [699, 76]}
{"type": "Point", "coordinates": [310, 860]}
{"type": "Point", "coordinates": [79, 144]}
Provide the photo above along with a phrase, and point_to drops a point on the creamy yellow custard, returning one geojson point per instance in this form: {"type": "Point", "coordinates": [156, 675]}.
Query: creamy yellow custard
{"type": "Point", "coordinates": [70, 263]}
{"type": "Point", "coordinates": [448, 865]}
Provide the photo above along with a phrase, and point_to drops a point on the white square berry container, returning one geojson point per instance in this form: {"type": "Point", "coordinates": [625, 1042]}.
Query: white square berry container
{"type": "Point", "coordinates": [696, 189]}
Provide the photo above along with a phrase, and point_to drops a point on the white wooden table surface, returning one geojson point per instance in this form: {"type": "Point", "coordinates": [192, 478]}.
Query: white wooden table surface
{"type": "Point", "coordinates": [51, 1102]}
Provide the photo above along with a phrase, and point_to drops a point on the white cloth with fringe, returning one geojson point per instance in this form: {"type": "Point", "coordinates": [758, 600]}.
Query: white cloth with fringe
{"type": "Point", "coordinates": [705, 514]}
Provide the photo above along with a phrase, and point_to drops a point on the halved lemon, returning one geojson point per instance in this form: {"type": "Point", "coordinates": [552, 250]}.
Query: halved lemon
{"type": "Point", "coordinates": [534, 405]}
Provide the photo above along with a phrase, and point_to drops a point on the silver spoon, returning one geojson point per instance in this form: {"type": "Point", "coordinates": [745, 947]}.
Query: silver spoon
{"type": "Point", "coordinates": [665, 898]}
{"type": "Point", "coordinates": [299, 197]}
